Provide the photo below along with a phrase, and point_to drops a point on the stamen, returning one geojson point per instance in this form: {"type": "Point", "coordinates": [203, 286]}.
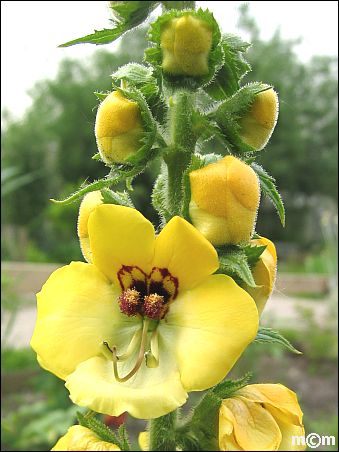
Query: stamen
{"type": "Point", "coordinates": [153, 306]}
{"type": "Point", "coordinates": [152, 356]}
{"type": "Point", "coordinates": [129, 302]}
{"type": "Point", "coordinates": [139, 359]}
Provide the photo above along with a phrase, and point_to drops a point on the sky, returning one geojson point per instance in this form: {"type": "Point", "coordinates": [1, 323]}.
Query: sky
{"type": "Point", "coordinates": [31, 32]}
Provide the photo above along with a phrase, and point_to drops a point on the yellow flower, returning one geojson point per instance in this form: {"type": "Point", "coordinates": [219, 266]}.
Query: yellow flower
{"type": "Point", "coordinates": [118, 128]}
{"type": "Point", "coordinates": [264, 274]}
{"type": "Point", "coordinates": [260, 417]}
{"type": "Point", "coordinates": [186, 42]}
{"type": "Point", "coordinates": [224, 201]}
{"type": "Point", "coordinates": [82, 438]}
{"type": "Point", "coordinates": [89, 203]}
{"type": "Point", "coordinates": [258, 123]}
{"type": "Point", "coordinates": [141, 326]}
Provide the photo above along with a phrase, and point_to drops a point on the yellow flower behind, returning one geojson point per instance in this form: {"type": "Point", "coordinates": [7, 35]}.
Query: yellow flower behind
{"type": "Point", "coordinates": [258, 123]}
{"type": "Point", "coordinates": [89, 203]}
{"type": "Point", "coordinates": [260, 417]}
{"type": "Point", "coordinates": [224, 201]}
{"type": "Point", "coordinates": [81, 438]}
{"type": "Point", "coordinates": [139, 327]}
{"type": "Point", "coordinates": [264, 274]}
{"type": "Point", "coordinates": [186, 42]}
{"type": "Point", "coordinates": [118, 128]}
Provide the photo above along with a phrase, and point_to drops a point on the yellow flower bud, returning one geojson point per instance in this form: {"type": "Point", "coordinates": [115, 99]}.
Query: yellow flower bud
{"type": "Point", "coordinates": [118, 128]}
{"type": "Point", "coordinates": [186, 42]}
{"type": "Point", "coordinates": [261, 417]}
{"type": "Point", "coordinates": [258, 123]}
{"type": "Point", "coordinates": [224, 201]}
{"type": "Point", "coordinates": [88, 204]}
{"type": "Point", "coordinates": [82, 438]}
{"type": "Point", "coordinates": [264, 274]}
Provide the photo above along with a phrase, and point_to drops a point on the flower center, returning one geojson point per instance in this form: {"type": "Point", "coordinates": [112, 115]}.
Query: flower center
{"type": "Point", "coordinates": [148, 296]}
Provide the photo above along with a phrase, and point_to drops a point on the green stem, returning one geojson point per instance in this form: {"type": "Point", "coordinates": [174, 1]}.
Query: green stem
{"type": "Point", "coordinates": [162, 432]}
{"type": "Point", "coordinates": [182, 143]}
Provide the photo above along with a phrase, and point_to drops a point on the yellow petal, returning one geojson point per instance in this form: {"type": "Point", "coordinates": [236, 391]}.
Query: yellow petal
{"type": "Point", "coordinates": [185, 253]}
{"type": "Point", "coordinates": [288, 430]}
{"type": "Point", "coordinates": [226, 430]}
{"type": "Point", "coordinates": [254, 427]}
{"type": "Point", "coordinates": [277, 396]}
{"type": "Point", "coordinates": [150, 393]}
{"type": "Point", "coordinates": [120, 236]}
{"type": "Point", "coordinates": [143, 440]}
{"type": "Point", "coordinates": [82, 438]}
{"type": "Point", "coordinates": [208, 328]}
{"type": "Point", "coordinates": [264, 274]}
{"type": "Point", "coordinates": [88, 204]}
{"type": "Point", "coordinates": [77, 310]}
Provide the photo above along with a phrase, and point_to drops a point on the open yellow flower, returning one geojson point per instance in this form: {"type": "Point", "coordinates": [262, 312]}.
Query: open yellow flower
{"type": "Point", "coordinates": [224, 201]}
{"type": "Point", "coordinates": [264, 274]}
{"type": "Point", "coordinates": [118, 128]}
{"type": "Point", "coordinates": [146, 322]}
{"type": "Point", "coordinates": [82, 438]}
{"type": "Point", "coordinates": [260, 417]}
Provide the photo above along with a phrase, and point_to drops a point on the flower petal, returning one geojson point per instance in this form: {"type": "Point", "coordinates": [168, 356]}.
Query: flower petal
{"type": "Point", "coordinates": [254, 427]}
{"type": "Point", "coordinates": [185, 253]}
{"type": "Point", "coordinates": [151, 393]}
{"type": "Point", "coordinates": [82, 438]}
{"type": "Point", "coordinates": [277, 396]}
{"type": "Point", "coordinates": [208, 328]}
{"type": "Point", "coordinates": [120, 236]}
{"type": "Point", "coordinates": [77, 310]}
{"type": "Point", "coordinates": [288, 430]}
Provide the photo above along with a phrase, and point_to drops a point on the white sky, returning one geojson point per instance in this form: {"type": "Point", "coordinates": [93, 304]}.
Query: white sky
{"type": "Point", "coordinates": [31, 31]}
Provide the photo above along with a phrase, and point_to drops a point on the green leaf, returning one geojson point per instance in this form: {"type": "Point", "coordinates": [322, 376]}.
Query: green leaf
{"type": "Point", "coordinates": [267, 335]}
{"type": "Point", "coordinates": [159, 197]}
{"type": "Point", "coordinates": [118, 173]}
{"type": "Point", "coordinates": [99, 428]}
{"type": "Point", "coordinates": [227, 80]}
{"type": "Point", "coordinates": [96, 156]}
{"type": "Point", "coordinates": [227, 388]}
{"type": "Point", "coordinates": [268, 187]}
{"type": "Point", "coordinates": [99, 37]}
{"type": "Point", "coordinates": [116, 197]}
{"type": "Point", "coordinates": [253, 253]}
{"type": "Point", "coordinates": [127, 15]}
{"type": "Point", "coordinates": [233, 262]}
{"type": "Point", "coordinates": [137, 74]}
{"type": "Point", "coordinates": [101, 95]}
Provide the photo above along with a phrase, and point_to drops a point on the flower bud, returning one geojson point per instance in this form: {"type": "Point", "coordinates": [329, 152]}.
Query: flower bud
{"type": "Point", "coordinates": [186, 42]}
{"type": "Point", "coordinates": [82, 438]}
{"type": "Point", "coordinates": [118, 128]}
{"type": "Point", "coordinates": [257, 125]}
{"type": "Point", "coordinates": [224, 201]}
{"type": "Point", "coordinates": [261, 417]}
{"type": "Point", "coordinates": [264, 274]}
{"type": "Point", "coordinates": [88, 204]}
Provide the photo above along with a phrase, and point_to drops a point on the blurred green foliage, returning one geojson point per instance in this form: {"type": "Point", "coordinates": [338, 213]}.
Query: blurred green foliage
{"type": "Point", "coordinates": [56, 138]}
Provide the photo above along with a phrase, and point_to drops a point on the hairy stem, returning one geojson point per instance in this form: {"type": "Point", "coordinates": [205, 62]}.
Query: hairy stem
{"type": "Point", "coordinates": [162, 432]}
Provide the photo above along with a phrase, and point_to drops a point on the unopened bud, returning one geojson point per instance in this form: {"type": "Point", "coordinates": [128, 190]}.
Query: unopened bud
{"type": "Point", "coordinates": [88, 204]}
{"type": "Point", "coordinates": [186, 42]}
{"type": "Point", "coordinates": [258, 123]}
{"type": "Point", "coordinates": [224, 201]}
{"type": "Point", "coordinates": [264, 274]}
{"type": "Point", "coordinates": [118, 128]}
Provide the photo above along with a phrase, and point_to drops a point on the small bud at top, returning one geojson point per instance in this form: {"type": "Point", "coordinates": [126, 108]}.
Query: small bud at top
{"type": "Point", "coordinates": [186, 42]}
{"type": "Point", "coordinates": [153, 306]}
{"type": "Point", "coordinates": [129, 302]}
